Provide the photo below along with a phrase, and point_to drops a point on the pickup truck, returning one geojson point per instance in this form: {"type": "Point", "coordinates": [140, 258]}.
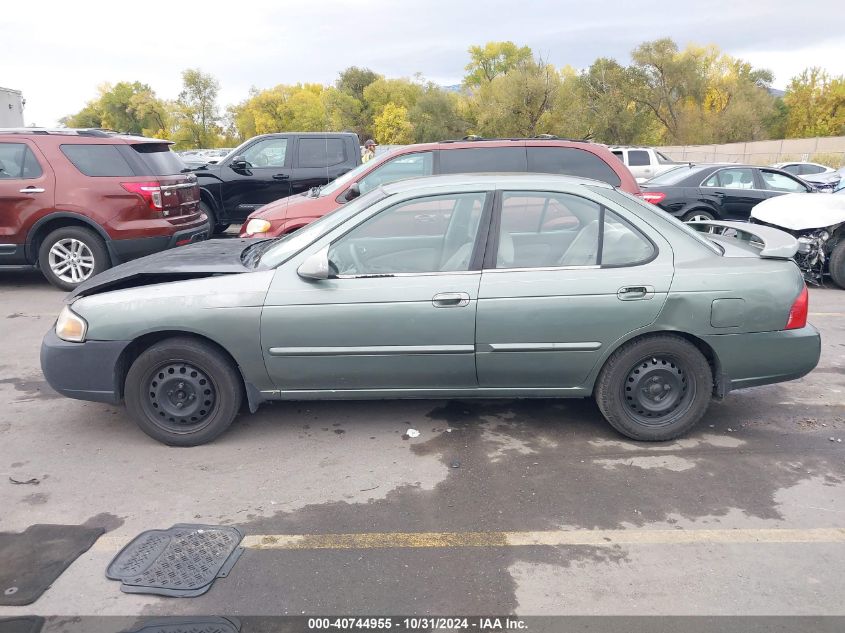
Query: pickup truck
{"type": "Point", "coordinates": [269, 167]}
{"type": "Point", "coordinates": [644, 162]}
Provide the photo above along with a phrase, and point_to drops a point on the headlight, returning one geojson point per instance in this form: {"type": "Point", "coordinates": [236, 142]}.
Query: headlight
{"type": "Point", "coordinates": [257, 225]}
{"type": "Point", "coordinates": [70, 326]}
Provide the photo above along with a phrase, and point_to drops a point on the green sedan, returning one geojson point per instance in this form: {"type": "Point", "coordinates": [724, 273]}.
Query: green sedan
{"type": "Point", "coordinates": [489, 286]}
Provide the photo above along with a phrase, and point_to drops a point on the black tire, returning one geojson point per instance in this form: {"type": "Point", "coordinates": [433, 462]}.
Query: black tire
{"type": "Point", "coordinates": [189, 372]}
{"type": "Point", "coordinates": [700, 214]}
{"type": "Point", "coordinates": [214, 226]}
{"type": "Point", "coordinates": [632, 394]}
{"type": "Point", "coordinates": [836, 265]}
{"type": "Point", "coordinates": [91, 256]}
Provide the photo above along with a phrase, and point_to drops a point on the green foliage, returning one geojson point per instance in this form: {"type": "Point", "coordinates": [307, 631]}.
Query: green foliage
{"type": "Point", "coordinates": [195, 112]}
{"type": "Point", "coordinates": [125, 107]}
{"type": "Point", "coordinates": [353, 80]}
{"type": "Point", "coordinates": [493, 59]}
{"type": "Point", "coordinates": [816, 105]}
{"type": "Point", "coordinates": [392, 126]}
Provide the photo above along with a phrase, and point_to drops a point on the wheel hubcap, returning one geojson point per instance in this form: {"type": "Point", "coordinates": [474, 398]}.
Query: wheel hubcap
{"type": "Point", "coordinates": [180, 397]}
{"type": "Point", "coordinates": [71, 260]}
{"type": "Point", "coordinates": [655, 389]}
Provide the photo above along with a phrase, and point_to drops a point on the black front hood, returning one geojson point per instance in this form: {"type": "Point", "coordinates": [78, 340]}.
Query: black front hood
{"type": "Point", "coordinates": [203, 259]}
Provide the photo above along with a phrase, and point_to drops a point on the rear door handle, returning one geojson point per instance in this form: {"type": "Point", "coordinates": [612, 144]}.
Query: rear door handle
{"type": "Point", "coordinates": [635, 293]}
{"type": "Point", "coordinates": [450, 300]}
{"type": "Point", "coordinates": [33, 190]}
{"type": "Point", "coordinates": [280, 177]}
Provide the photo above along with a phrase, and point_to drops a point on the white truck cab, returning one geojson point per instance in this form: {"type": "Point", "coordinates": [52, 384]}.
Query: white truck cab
{"type": "Point", "coordinates": [644, 162]}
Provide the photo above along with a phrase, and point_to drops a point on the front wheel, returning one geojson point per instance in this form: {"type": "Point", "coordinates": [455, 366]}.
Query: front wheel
{"type": "Point", "coordinates": [655, 388]}
{"type": "Point", "coordinates": [183, 392]}
{"type": "Point", "coordinates": [699, 216]}
{"type": "Point", "coordinates": [837, 264]}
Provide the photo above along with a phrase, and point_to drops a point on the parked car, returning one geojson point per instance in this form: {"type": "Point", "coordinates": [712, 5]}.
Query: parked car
{"type": "Point", "coordinates": [644, 162]}
{"type": "Point", "coordinates": [818, 222]}
{"type": "Point", "coordinates": [822, 177]}
{"type": "Point", "coordinates": [495, 285]}
{"type": "Point", "coordinates": [724, 191]}
{"type": "Point", "coordinates": [553, 156]}
{"type": "Point", "coordinates": [272, 166]}
{"type": "Point", "coordinates": [75, 202]}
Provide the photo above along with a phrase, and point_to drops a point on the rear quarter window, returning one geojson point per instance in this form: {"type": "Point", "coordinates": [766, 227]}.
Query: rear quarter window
{"type": "Point", "coordinates": [97, 160]}
{"type": "Point", "coordinates": [159, 159]}
{"type": "Point", "coordinates": [571, 161]}
{"type": "Point", "coordinates": [482, 159]}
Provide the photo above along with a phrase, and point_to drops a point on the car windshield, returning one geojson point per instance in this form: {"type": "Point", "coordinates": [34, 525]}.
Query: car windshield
{"type": "Point", "coordinates": [675, 175]}
{"type": "Point", "coordinates": [278, 251]}
{"type": "Point", "coordinates": [349, 177]}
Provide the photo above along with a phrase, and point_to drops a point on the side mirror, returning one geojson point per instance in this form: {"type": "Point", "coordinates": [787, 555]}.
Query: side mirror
{"type": "Point", "coordinates": [239, 162]}
{"type": "Point", "coordinates": [315, 266]}
{"type": "Point", "coordinates": [353, 192]}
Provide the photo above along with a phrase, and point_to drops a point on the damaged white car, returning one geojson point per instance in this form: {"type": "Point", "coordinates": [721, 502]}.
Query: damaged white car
{"type": "Point", "coordinates": [818, 222]}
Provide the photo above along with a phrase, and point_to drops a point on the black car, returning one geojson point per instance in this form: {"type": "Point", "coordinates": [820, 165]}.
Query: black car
{"type": "Point", "coordinates": [722, 191]}
{"type": "Point", "coordinates": [272, 166]}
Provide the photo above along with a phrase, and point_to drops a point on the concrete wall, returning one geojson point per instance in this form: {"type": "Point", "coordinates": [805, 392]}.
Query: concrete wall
{"type": "Point", "coordinates": [828, 150]}
{"type": "Point", "coordinates": [11, 108]}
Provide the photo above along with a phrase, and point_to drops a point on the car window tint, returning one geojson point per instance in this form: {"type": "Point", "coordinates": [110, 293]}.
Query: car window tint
{"type": "Point", "coordinates": [622, 245]}
{"type": "Point", "coordinates": [773, 181]}
{"type": "Point", "coordinates": [792, 169]}
{"type": "Point", "coordinates": [320, 152]}
{"type": "Point", "coordinates": [571, 162]}
{"type": "Point", "coordinates": [538, 229]}
{"type": "Point", "coordinates": [638, 158]}
{"type": "Point", "coordinates": [400, 168]}
{"type": "Point", "coordinates": [17, 161]}
{"type": "Point", "coordinates": [811, 169]}
{"type": "Point", "coordinates": [736, 178]}
{"type": "Point", "coordinates": [618, 155]}
{"type": "Point", "coordinates": [97, 160]}
{"type": "Point", "coordinates": [159, 159]}
{"type": "Point", "coordinates": [271, 152]}
{"type": "Point", "coordinates": [430, 234]}
{"type": "Point", "coordinates": [482, 159]}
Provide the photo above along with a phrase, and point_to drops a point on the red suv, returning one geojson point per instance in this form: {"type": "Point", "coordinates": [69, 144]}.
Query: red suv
{"type": "Point", "coordinates": [75, 202]}
{"type": "Point", "coordinates": [547, 155]}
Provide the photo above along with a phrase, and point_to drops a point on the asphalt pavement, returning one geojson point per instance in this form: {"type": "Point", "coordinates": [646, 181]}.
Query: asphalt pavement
{"type": "Point", "coordinates": [533, 507]}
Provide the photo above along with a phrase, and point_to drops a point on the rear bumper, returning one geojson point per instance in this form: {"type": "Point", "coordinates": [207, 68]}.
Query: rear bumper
{"type": "Point", "coordinates": [763, 358]}
{"type": "Point", "coordinates": [121, 251]}
{"type": "Point", "coordinates": [84, 371]}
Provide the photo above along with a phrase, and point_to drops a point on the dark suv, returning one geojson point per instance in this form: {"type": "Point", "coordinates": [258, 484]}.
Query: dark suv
{"type": "Point", "coordinates": [75, 202]}
{"type": "Point", "coordinates": [272, 166]}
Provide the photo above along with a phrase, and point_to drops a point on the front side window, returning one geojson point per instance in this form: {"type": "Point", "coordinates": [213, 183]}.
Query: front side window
{"type": "Point", "coordinates": [271, 152]}
{"type": "Point", "coordinates": [781, 182]}
{"type": "Point", "coordinates": [400, 168]}
{"type": "Point", "coordinates": [548, 230]}
{"type": "Point", "coordinates": [97, 160]}
{"type": "Point", "coordinates": [571, 162]}
{"type": "Point", "coordinates": [638, 158]}
{"type": "Point", "coordinates": [18, 162]}
{"type": "Point", "coordinates": [423, 235]}
{"type": "Point", "coordinates": [320, 152]}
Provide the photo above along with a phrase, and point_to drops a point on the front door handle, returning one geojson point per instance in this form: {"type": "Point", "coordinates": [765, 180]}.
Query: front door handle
{"type": "Point", "coordinates": [635, 293]}
{"type": "Point", "coordinates": [450, 300]}
{"type": "Point", "coordinates": [33, 190]}
{"type": "Point", "coordinates": [280, 177]}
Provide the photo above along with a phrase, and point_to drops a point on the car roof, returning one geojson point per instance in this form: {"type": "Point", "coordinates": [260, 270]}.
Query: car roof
{"type": "Point", "coordinates": [497, 180]}
{"type": "Point", "coordinates": [81, 134]}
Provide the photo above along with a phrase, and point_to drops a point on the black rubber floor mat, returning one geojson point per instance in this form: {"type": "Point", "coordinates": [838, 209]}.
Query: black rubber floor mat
{"type": "Point", "coordinates": [31, 561]}
{"type": "Point", "coordinates": [182, 561]}
{"type": "Point", "coordinates": [197, 624]}
{"type": "Point", "coordinates": [23, 624]}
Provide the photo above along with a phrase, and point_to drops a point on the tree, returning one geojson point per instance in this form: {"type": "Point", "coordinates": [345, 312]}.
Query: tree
{"type": "Point", "coordinates": [401, 92]}
{"type": "Point", "coordinates": [493, 59]}
{"type": "Point", "coordinates": [392, 126]}
{"type": "Point", "coordinates": [816, 104]}
{"type": "Point", "coordinates": [353, 80]}
{"type": "Point", "coordinates": [436, 116]}
{"type": "Point", "coordinates": [124, 107]}
{"type": "Point", "coordinates": [197, 116]}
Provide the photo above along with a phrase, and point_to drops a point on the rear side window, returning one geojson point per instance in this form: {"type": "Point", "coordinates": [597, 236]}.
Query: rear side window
{"type": "Point", "coordinates": [638, 158]}
{"type": "Point", "coordinates": [97, 160]}
{"type": "Point", "coordinates": [482, 159]}
{"type": "Point", "coordinates": [159, 159]}
{"type": "Point", "coordinates": [571, 161]}
{"type": "Point", "coordinates": [320, 152]}
{"type": "Point", "coordinates": [17, 161]}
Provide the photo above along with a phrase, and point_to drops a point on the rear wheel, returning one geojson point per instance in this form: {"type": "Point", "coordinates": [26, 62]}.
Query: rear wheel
{"type": "Point", "coordinates": [837, 264]}
{"type": "Point", "coordinates": [655, 388]}
{"type": "Point", "coordinates": [214, 226]}
{"type": "Point", "coordinates": [699, 216]}
{"type": "Point", "coordinates": [70, 255]}
{"type": "Point", "coordinates": [183, 392]}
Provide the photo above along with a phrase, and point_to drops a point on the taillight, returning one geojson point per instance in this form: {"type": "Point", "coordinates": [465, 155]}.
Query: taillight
{"type": "Point", "coordinates": [654, 197]}
{"type": "Point", "coordinates": [149, 191]}
{"type": "Point", "coordinates": [798, 312]}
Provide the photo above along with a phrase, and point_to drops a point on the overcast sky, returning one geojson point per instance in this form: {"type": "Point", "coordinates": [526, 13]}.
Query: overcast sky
{"type": "Point", "coordinates": [58, 52]}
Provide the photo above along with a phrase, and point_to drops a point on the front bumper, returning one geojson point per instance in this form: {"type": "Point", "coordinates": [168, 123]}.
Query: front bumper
{"type": "Point", "coordinates": [763, 358]}
{"type": "Point", "coordinates": [121, 251]}
{"type": "Point", "coordinates": [85, 371]}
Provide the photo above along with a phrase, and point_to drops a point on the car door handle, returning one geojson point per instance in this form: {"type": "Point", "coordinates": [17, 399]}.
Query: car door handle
{"type": "Point", "coordinates": [33, 190]}
{"type": "Point", "coordinates": [635, 293]}
{"type": "Point", "coordinates": [450, 300]}
{"type": "Point", "coordinates": [719, 194]}
{"type": "Point", "coordinates": [280, 177]}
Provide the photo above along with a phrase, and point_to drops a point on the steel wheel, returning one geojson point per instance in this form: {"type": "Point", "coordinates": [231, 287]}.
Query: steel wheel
{"type": "Point", "coordinates": [657, 390]}
{"type": "Point", "coordinates": [71, 260]}
{"type": "Point", "coordinates": [179, 397]}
